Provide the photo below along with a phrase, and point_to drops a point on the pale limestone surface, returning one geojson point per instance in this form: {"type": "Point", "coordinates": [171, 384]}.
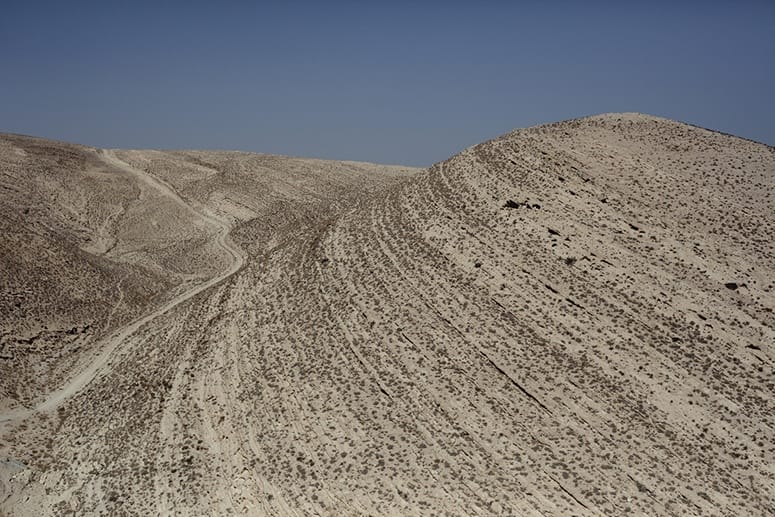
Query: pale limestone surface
{"type": "Point", "coordinates": [570, 319]}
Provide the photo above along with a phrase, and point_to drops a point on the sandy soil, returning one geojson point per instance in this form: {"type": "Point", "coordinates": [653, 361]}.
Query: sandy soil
{"type": "Point", "coordinates": [74, 384]}
{"type": "Point", "coordinates": [572, 319]}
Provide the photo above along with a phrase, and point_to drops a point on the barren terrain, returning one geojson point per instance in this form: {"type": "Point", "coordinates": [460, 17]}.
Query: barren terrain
{"type": "Point", "coordinates": [571, 319]}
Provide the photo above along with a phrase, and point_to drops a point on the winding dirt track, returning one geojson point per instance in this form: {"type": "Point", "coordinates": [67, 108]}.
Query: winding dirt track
{"type": "Point", "coordinates": [114, 341]}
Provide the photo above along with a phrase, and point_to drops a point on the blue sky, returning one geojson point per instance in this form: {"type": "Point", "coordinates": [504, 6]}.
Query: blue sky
{"type": "Point", "coordinates": [391, 82]}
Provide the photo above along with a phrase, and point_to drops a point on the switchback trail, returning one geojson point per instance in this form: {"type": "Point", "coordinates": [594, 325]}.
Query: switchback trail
{"type": "Point", "coordinates": [112, 342]}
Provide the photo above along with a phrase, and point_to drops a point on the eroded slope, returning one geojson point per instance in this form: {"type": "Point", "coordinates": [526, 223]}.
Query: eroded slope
{"type": "Point", "coordinates": [80, 256]}
{"type": "Point", "coordinates": [153, 230]}
{"type": "Point", "coordinates": [570, 319]}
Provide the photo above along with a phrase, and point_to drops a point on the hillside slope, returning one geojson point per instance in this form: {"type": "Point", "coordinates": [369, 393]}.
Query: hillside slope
{"type": "Point", "coordinates": [570, 319]}
{"type": "Point", "coordinates": [80, 257]}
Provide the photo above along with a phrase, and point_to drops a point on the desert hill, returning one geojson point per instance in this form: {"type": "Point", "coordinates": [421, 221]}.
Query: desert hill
{"type": "Point", "coordinates": [570, 319]}
{"type": "Point", "coordinates": [88, 243]}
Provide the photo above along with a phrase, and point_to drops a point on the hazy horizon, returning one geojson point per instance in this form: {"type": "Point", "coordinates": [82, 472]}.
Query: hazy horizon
{"type": "Point", "coordinates": [398, 83]}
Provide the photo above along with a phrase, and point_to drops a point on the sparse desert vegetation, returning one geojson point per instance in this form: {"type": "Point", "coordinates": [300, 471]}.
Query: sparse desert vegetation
{"type": "Point", "coordinates": [573, 318]}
